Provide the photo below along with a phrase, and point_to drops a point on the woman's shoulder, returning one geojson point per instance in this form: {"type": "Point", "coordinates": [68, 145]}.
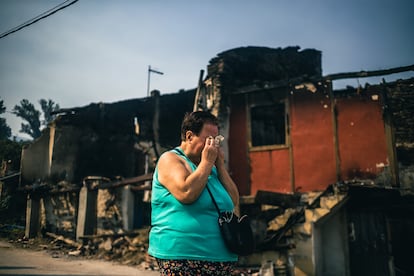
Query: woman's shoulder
{"type": "Point", "coordinates": [168, 156]}
{"type": "Point", "coordinates": [169, 153]}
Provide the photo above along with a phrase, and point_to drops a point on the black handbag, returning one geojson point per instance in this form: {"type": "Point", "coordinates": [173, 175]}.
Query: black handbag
{"type": "Point", "coordinates": [237, 232]}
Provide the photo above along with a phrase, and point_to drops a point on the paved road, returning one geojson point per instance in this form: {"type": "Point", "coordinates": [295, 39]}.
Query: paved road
{"type": "Point", "coordinates": [16, 261]}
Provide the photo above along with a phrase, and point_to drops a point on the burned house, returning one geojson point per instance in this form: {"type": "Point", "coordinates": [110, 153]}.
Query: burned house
{"type": "Point", "coordinates": [99, 144]}
{"type": "Point", "coordinates": [326, 175]}
{"type": "Point", "coordinates": [291, 133]}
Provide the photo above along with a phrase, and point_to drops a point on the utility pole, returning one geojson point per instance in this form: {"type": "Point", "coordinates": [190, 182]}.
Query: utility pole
{"type": "Point", "coordinates": [150, 70]}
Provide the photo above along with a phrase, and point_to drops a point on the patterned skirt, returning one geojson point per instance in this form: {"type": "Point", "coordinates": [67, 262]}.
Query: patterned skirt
{"type": "Point", "coordinates": [194, 268]}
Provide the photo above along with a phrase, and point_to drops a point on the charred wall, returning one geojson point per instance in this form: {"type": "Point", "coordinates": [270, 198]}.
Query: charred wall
{"type": "Point", "coordinates": [401, 99]}
{"type": "Point", "coordinates": [100, 140]}
{"type": "Point", "coordinates": [172, 109]}
{"type": "Point", "coordinates": [247, 65]}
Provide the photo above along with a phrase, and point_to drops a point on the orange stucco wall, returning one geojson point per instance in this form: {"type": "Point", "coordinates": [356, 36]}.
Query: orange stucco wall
{"type": "Point", "coordinates": [270, 171]}
{"type": "Point", "coordinates": [361, 145]}
{"type": "Point", "coordinates": [312, 141]}
{"type": "Point", "coordinates": [361, 135]}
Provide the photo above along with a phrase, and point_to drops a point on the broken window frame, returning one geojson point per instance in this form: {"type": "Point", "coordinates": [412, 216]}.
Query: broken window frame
{"type": "Point", "coordinates": [268, 98]}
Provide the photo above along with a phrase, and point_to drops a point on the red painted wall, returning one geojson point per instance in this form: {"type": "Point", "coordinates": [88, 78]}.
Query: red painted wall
{"type": "Point", "coordinates": [270, 171]}
{"type": "Point", "coordinates": [312, 141]}
{"type": "Point", "coordinates": [361, 135]}
{"type": "Point", "coordinates": [361, 138]}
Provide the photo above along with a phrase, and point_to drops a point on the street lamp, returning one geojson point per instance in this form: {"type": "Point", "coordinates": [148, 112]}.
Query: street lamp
{"type": "Point", "coordinates": [150, 70]}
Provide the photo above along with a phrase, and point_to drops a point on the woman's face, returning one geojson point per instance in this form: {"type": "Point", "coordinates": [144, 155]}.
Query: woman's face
{"type": "Point", "coordinates": [198, 141]}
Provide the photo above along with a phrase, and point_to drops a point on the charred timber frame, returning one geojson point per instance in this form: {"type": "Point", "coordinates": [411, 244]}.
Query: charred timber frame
{"type": "Point", "coordinates": [87, 201]}
{"type": "Point", "coordinates": [332, 77]}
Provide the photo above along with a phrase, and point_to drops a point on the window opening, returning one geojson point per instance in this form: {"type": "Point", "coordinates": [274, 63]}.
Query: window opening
{"type": "Point", "coordinates": [268, 125]}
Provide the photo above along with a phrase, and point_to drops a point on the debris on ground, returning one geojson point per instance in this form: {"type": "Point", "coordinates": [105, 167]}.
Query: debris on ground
{"type": "Point", "coordinates": [128, 249]}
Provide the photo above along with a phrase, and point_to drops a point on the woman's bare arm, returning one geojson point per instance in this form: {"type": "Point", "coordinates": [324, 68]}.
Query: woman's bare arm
{"type": "Point", "coordinates": [183, 183]}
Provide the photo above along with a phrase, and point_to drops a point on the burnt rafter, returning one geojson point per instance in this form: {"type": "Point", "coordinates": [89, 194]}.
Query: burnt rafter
{"type": "Point", "coordinates": [366, 74]}
{"type": "Point", "coordinates": [126, 181]}
{"type": "Point", "coordinates": [267, 85]}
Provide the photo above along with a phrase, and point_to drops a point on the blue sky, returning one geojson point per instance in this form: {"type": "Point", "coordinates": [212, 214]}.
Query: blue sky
{"type": "Point", "coordinates": [100, 50]}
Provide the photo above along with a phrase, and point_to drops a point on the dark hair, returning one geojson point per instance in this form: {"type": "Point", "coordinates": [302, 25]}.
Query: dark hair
{"type": "Point", "coordinates": [195, 121]}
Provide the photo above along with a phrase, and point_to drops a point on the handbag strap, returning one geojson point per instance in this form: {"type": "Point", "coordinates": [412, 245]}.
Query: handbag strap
{"type": "Point", "coordinates": [179, 151]}
{"type": "Point", "coordinates": [214, 201]}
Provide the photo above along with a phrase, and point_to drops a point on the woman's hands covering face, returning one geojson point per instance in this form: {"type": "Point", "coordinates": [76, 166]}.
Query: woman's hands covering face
{"type": "Point", "coordinates": [212, 151]}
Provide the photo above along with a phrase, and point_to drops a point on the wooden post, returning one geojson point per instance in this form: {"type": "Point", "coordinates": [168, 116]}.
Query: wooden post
{"type": "Point", "coordinates": [128, 203]}
{"type": "Point", "coordinates": [32, 216]}
{"type": "Point", "coordinates": [200, 96]}
{"type": "Point", "coordinates": [289, 142]}
{"type": "Point", "coordinates": [390, 137]}
{"type": "Point", "coordinates": [334, 113]}
{"type": "Point", "coordinates": [87, 212]}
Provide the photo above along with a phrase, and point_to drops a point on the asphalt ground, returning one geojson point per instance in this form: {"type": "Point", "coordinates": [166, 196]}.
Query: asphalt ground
{"type": "Point", "coordinates": [18, 261]}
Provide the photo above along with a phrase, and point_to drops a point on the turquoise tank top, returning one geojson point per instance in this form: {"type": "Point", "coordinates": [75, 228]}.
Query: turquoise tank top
{"type": "Point", "coordinates": [188, 231]}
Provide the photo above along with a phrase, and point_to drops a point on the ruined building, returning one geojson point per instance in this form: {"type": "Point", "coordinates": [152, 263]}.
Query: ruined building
{"type": "Point", "coordinates": [326, 175]}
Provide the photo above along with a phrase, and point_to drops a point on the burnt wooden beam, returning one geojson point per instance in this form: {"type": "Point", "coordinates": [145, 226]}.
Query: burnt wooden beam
{"type": "Point", "coordinates": [273, 240]}
{"type": "Point", "coordinates": [289, 142]}
{"type": "Point", "coordinates": [334, 116]}
{"type": "Point", "coordinates": [337, 76]}
{"type": "Point", "coordinates": [111, 235]}
{"type": "Point", "coordinates": [65, 190]}
{"type": "Point", "coordinates": [43, 187]}
{"type": "Point", "coordinates": [278, 199]}
{"type": "Point", "coordinates": [63, 239]}
{"type": "Point", "coordinates": [366, 74]}
{"type": "Point", "coordinates": [199, 99]}
{"type": "Point", "coordinates": [143, 187]}
{"type": "Point", "coordinates": [6, 177]}
{"type": "Point", "coordinates": [275, 84]}
{"type": "Point", "coordinates": [46, 188]}
{"type": "Point", "coordinates": [390, 137]}
{"type": "Point", "coordinates": [124, 182]}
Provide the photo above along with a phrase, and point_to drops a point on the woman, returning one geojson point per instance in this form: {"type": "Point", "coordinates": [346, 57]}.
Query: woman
{"type": "Point", "coordinates": [185, 237]}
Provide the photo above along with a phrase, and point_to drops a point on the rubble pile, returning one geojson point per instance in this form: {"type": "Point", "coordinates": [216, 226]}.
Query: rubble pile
{"type": "Point", "coordinates": [128, 249]}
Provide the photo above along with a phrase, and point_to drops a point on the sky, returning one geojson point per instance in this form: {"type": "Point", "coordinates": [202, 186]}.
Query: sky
{"type": "Point", "coordinates": [100, 50]}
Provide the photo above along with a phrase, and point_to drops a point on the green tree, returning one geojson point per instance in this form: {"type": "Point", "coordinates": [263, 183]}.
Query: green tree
{"type": "Point", "coordinates": [28, 112]}
{"type": "Point", "coordinates": [5, 130]}
{"type": "Point", "coordinates": [48, 106]}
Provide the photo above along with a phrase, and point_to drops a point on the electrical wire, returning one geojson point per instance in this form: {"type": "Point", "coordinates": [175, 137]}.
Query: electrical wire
{"type": "Point", "coordinates": [39, 17]}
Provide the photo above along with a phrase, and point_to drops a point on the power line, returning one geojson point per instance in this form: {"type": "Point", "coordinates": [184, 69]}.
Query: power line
{"type": "Point", "coordinates": [39, 17]}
